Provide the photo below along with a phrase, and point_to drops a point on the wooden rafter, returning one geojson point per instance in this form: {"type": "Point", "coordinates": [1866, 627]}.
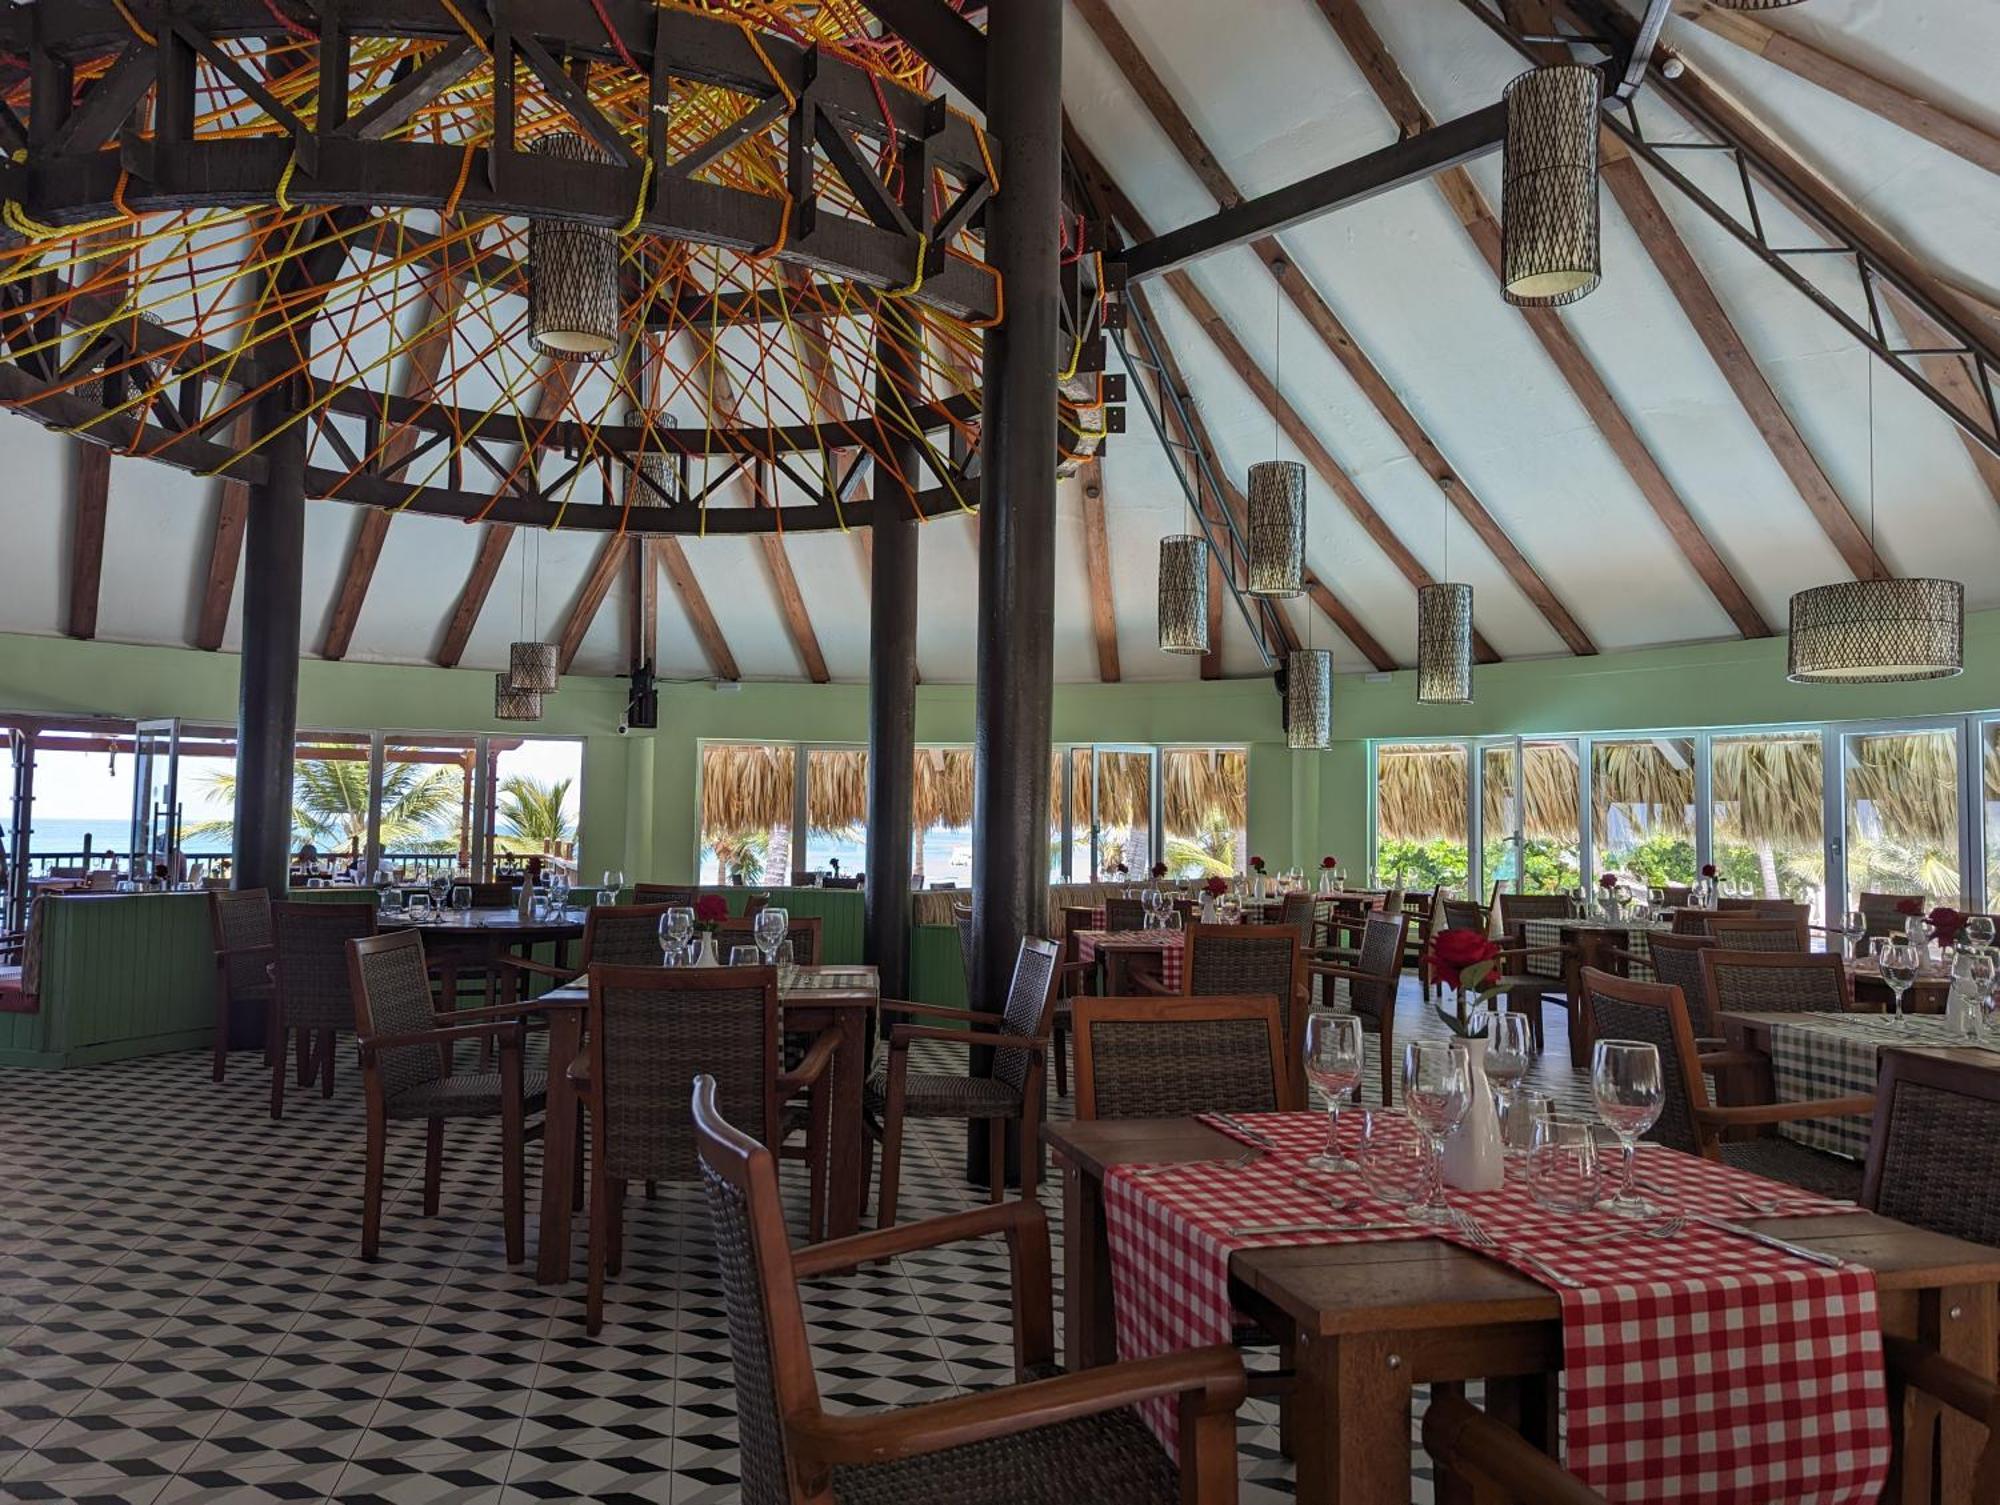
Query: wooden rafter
{"type": "Point", "coordinates": [1097, 561]}
{"type": "Point", "coordinates": [674, 563]}
{"type": "Point", "coordinates": [1950, 374]}
{"type": "Point", "coordinates": [418, 380]}
{"type": "Point", "coordinates": [1358, 35]}
{"type": "Point", "coordinates": [612, 554]}
{"type": "Point", "coordinates": [225, 552]}
{"type": "Point", "coordinates": [90, 496]}
{"type": "Point", "coordinates": [1180, 130]}
{"type": "Point", "coordinates": [1853, 83]}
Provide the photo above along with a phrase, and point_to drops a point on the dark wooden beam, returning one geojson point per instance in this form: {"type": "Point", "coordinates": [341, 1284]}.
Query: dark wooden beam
{"type": "Point", "coordinates": [1950, 373]}
{"type": "Point", "coordinates": [611, 556]}
{"type": "Point", "coordinates": [90, 497]}
{"type": "Point", "coordinates": [674, 562]}
{"type": "Point", "coordinates": [1097, 564]}
{"type": "Point", "coordinates": [472, 597]}
{"type": "Point", "coordinates": [941, 37]}
{"type": "Point", "coordinates": [225, 553]}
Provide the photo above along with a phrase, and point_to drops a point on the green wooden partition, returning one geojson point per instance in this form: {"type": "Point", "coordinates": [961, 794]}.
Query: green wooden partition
{"type": "Point", "coordinates": [937, 966]}
{"type": "Point", "coordinates": [837, 909]}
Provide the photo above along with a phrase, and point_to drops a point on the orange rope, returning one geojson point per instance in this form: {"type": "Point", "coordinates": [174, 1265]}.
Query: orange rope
{"type": "Point", "coordinates": [458, 188]}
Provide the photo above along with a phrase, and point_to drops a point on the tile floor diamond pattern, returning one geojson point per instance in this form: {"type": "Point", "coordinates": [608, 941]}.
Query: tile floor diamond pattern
{"type": "Point", "coordinates": [184, 1315]}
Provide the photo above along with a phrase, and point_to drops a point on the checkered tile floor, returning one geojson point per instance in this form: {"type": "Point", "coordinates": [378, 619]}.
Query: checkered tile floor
{"type": "Point", "coordinates": [184, 1315]}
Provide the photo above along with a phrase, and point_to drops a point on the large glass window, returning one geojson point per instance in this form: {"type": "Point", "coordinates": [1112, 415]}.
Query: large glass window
{"type": "Point", "coordinates": [746, 812]}
{"type": "Point", "coordinates": [836, 811]}
{"type": "Point", "coordinates": [1124, 810]}
{"type": "Point", "coordinates": [330, 794]}
{"type": "Point", "coordinates": [1989, 771]}
{"type": "Point", "coordinates": [535, 800]}
{"type": "Point", "coordinates": [425, 816]}
{"type": "Point", "coordinates": [1421, 815]}
{"type": "Point", "coordinates": [1642, 808]}
{"type": "Point", "coordinates": [941, 798]}
{"type": "Point", "coordinates": [1768, 813]}
{"type": "Point", "coordinates": [1205, 810]}
{"type": "Point", "coordinates": [1902, 813]}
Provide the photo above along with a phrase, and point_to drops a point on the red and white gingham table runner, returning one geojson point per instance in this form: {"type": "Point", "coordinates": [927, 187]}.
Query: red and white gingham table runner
{"type": "Point", "coordinates": [1707, 1367]}
{"type": "Point", "coordinates": [1170, 944]}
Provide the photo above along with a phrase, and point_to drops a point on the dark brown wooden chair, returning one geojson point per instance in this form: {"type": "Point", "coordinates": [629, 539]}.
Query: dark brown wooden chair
{"type": "Point", "coordinates": [1011, 1095]}
{"type": "Point", "coordinates": [1621, 1009]}
{"type": "Point", "coordinates": [1756, 932]}
{"type": "Point", "coordinates": [1124, 914]}
{"type": "Point", "coordinates": [1075, 977]}
{"type": "Point", "coordinates": [1301, 912]}
{"type": "Point", "coordinates": [406, 1044]}
{"type": "Point", "coordinates": [239, 925]}
{"type": "Point", "coordinates": [312, 998]}
{"type": "Point", "coordinates": [1880, 914]}
{"type": "Point", "coordinates": [1173, 1057]}
{"type": "Point", "coordinates": [651, 1031]}
{"type": "Point", "coordinates": [1051, 1439]}
{"type": "Point", "coordinates": [1238, 961]}
{"type": "Point", "coordinates": [618, 935]}
{"type": "Point", "coordinates": [496, 894]}
{"type": "Point", "coordinates": [683, 894]}
{"type": "Point", "coordinates": [1491, 1462]}
{"type": "Point", "coordinates": [1775, 982]}
{"type": "Point", "coordinates": [1676, 959]}
{"type": "Point", "coordinates": [803, 931]}
{"type": "Point", "coordinates": [1372, 984]}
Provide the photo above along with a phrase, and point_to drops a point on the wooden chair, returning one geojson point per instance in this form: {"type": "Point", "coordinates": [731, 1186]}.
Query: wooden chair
{"type": "Point", "coordinates": [498, 894]}
{"type": "Point", "coordinates": [1238, 961]}
{"type": "Point", "coordinates": [1012, 1094]}
{"type": "Point", "coordinates": [1880, 914]}
{"type": "Point", "coordinates": [1676, 959]}
{"type": "Point", "coordinates": [682, 894]}
{"type": "Point", "coordinates": [1372, 983]}
{"type": "Point", "coordinates": [803, 931]}
{"type": "Point", "coordinates": [1301, 911]}
{"type": "Point", "coordinates": [1042, 1441]}
{"type": "Point", "coordinates": [618, 935]}
{"type": "Point", "coordinates": [1174, 1057]}
{"type": "Point", "coordinates": [1621, 1009]}
{"type": "Point", "coordinates": [1515, 908]}
{"type": "Point", "coordinates": [239, 925]}
{"type": "Point", "coordinates": [1775, 982]}
{"type": "Point", "coordinates": [311, 997]}
{"type": "Point", "coordinates": [1493, 1463]}
{"type": "Point", "coordinates": [1677, 894]}
{"type": "Point", "coordinates": [651, 1031]}
{"type": "Point", "coordinates": [1124, 914]}
{"type": "Point", "coordinates": [406, 1044]}
{"type": "Point", "coordinates": [1934, 1158]}
{"type": "Point", "coordinates": [1750, 932]}
{"type": "Point", "coordinates": [1074, 979]}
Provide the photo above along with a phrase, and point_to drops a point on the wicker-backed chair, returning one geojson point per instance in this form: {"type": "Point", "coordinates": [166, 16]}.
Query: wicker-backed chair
{"type": "Point", "coordinates": [1124, 914]}
{"type": "Point", "coordinates": [1464, 914]}
{"type": "Point", "coordinates": [1880, 914]}
{"type": "Point", "coordinates": [1677, 894]}
{"type": "Point", "coordinates": [1934, 1158]}
{"type": "Point", "coordinates": [1676, 959]}
{"type": "Point", "coordinates": [1075, 978]}
{"type": "Point", "coordinates": [1621, 1009]}
{"type": "Point", "coordinates": [1491, 1462]}
{"type": "Point", "coordinates": [239, 924]}
{"type": "Point", "coordinates": [803, 931]}
{"type": "Point", "coordinates": [1012, 1094]}
{"type": "Point", "coordinates": [311, 997]}
{"type": "Point", "coordinates": [1248, 961]}
{"type": "Point", "coordinates": [682, 894]}
{"type": "Point", "coordinates": [497, 894]}
{"type": "Point", "coordinates": [1515, 908]}
{"type": "Point", "coordinates": [1372, 983]}
{"type": "Point", "coordinates": [1775, 982]}
{"type": "Point", "coordinates": [1174, 1057]}
{"type": "Point", "coordinates": [1301, 912]}
{"type": "Point", "coordinates": [1752, 932]}
{"type": "Point", "coordinates": [1051, 1440]}
{"type": "Point", "coordinates": [617, 935]}
{"type": "Point", "coordinates": [651, 1031]}
{"type": "Point", "coordinates": [406, 1044]}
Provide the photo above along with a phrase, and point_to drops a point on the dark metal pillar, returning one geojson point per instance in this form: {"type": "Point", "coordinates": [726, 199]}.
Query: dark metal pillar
{"type": "Point", "coordinates": [267, 719]}
{"type": "Point", "coordinates": [1010, 813]}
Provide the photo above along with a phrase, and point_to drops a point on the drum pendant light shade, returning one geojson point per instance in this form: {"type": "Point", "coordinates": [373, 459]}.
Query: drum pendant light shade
{"type": "Point", "coordinates": [572, 272]}
{"type": "Point", "coordinates": [1877, 631]}
{"type": "Point", "coordinates": [1309, 698]}
{"type": "Point", "coordinates": [533, 666]}
{"type": "Point", "coordinates": [1753, 4]}
{"type": "Point", "coordinates": [1183, 593]}
{"type": "Point", "coordinates": [510, 704]}
{"type": "Point", "coordinates": [661, 485]}
{"type": "Point", "coordinates": [1444, 644]}
{"type": "Point", "coordinates": [1277, 514]}
{"type": "Point", "coordinates": [1548, 202]}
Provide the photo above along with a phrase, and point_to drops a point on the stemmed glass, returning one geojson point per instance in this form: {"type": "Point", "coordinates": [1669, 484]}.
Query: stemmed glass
{"type": "Point", "coordinates": [1333, 1064]}
{"type": "Point", "coordinates": [614, 884]}
{"type": "Point", "coordinates": [441, 890]}
{"type": "Point", "coordinates": [1437, 1090]}
{"type": "Point", "coordinates": [1625, 1080]}
{"type": "Point", "coordinates": [558, 887]}
{"type": "Point", "coordinates": [769, 927]}
{"type": "Point", "coordinates": [1899, 971]}
{"type": "Point", "coordinates": [1978, 965]}
{"type": "Point", "coordinates": [676, 930]}
{"type": "Point", "coordinates": [1509, 1041]}
{"type": "Point", "coordinates": [1854, 929]}
{"type": "Point", "coordinates": [1979, 930]}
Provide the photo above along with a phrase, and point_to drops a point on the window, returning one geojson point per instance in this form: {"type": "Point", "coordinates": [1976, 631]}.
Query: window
{"type": "Point", "coordinates": [941, 802]}
{"type": "Point", "coordinates": [535, 800]}
{"type": "Point", "coordinates": [1902, 813]}
{"type": "Point", "coordinates": [1642, 808]}
{"type": "Point", "coordinates": [424, 817]}
{"type": "Point", "coordinates": [1421, 815]}
{"type": "Point", "coordinates": [1121, 801]}
{"type": "Point", "coordinates": [330, 793]}
{"type": "Point", "coordinates": [836, 811]}
{"type": "Point", "coordinates": [1205, 810]}
{"type": "Point", "coordinates": [746, 813]}
{"type": "Point", "coordinates": [1768, 811]}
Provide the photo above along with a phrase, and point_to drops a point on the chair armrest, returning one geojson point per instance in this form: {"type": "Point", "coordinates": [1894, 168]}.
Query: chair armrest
{"type": "Point", "coordinates": [902, 1034]}
{"type": "Point", "coordinates": [579, 1073]}
{"type": "Point", "coordinates": [1923, 1367]}
{"type": "Point", "coordinates": [1517, 952]}
{"type": "Point", "coordinates": [442, 1036]}
{"type": "Point", "coordinates": [935, 1011]}
{"type": "Point", "coordinates": [222, 953]}
{"type": "Point", "coordinates": [1723, 1059]}
{"type": "Point", "coordinates": [1468, 1442]}
{"type": "Point", "coordinates": [1210, 1377]}
{"type": "Point", "coordinates": [837, 1256]}
{"type": "Point", "coordinates": [1330, 969]}
{"type": "Point", "coordinates": [814, 1066]}
{"type": "Point", "coordinates": [1779, 1113]}
{"type": "Point", "coordinates": [1147, 982]}
{"type": "Point", "coordinates": [542, 969]}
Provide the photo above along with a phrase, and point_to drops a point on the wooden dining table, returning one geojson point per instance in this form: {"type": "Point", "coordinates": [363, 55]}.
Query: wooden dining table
{"type": "Point", "coordinates": [1372, 1320]}
{"type": "Point", "coordinates": [479, 940]}
{"type": "Point", "coordinates": [811, 1000]}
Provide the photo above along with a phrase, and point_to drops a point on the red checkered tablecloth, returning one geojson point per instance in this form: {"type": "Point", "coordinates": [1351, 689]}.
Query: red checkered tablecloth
{"type": "Point", "coordinates": [1168, 944]}
{"type": "Point", "coordinates": [1708, 1367]}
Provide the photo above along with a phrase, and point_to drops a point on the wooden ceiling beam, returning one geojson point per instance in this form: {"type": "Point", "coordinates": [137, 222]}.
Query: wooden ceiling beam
{"type": "Point", "coordinates": [1097, 562]}
{"type": "Point", "coordinates": [680, 575]}
{"type": "Point", "coordinates": [225, 552]}
{"type": "Point", "coordinates": [90, 498]}
{"type": "Point", "coordinates": [1326, 325]}
{"type": "Point", "coordinates": [1365, 46]}
{"type": "Point", "coordinates": [1853, 83]}
{"type": "Point", "coordinates": [1949, 373]}
{"type": "Point", "coordinates": [612, 554]}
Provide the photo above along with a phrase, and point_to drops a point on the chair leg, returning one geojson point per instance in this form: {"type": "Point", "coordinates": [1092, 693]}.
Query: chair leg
{"type": "Point", "coordinates": [996, 1159]}
{"type": "Point", "coordinates": [1030, 1159]}
{"type": "Point", "coordinates": [600, 1234]}
{"type": "Point", "coordinates": [1060, 1044]}
{"type": "Point", "coordinates": [305, 1063]}
{"type": "Point", "coordinates": [274, 1036]}
{"type": "Point", "coordinates": [219, 1067]}
{"type": "Point", "coordinates": [278, 1075]}
{"type": "Point", "coordinates": [892, 1168]}
{"type": "Point", "coordinates": [576, 1179]}
{"type": "Point", "coordinates": [326, 1063]}
{"type": "Point", "coordinates": [371, 1183]}
{"type": "Point", "coordinates": [513, 1194]}
{"type": "Point", "coordinates": [614, 1253]}
{"type": "Point", "coordinates": [433, 1165]}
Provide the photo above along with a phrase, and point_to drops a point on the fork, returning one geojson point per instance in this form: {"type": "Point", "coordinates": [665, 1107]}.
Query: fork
{"type": "Point", "coordinates": [1668, 1227]}
{"type": "Point", "coordinates": [1763, 1207]}
{"type": "Point", "coordinates": [1335, 1202]}
{"type": "Point", "coordinates": [1484, 1240]}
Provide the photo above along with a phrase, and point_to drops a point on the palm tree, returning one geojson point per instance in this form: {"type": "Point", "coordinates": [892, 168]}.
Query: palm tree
{"type": "Point", "coordinates": [330, 803]}
{"type": "Point", "coordinates": [534, 816]}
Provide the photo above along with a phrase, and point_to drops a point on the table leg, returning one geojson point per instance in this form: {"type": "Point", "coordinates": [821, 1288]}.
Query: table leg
{"type": "Point", "coordinates": [558, 1148]}
{"type": "Point", "coordinates": [1090, 1337]}
{"type": "Point", "coordinates": [1353, 1431]}
{"type": "Point", "coordinates": [847, 1155]}
{"type": "Point", "coordinates": [1584, 954]}
{"type": "Point", "coordinates": [1962, 1324]}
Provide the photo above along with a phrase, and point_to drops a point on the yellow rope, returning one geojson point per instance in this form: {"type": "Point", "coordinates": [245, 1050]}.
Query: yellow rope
{"type": "Point", "coordinates": [458, 188]}
{"type": "Point", "coordinates": [916, 283]}
{"type": "Point", "coordinates": [133, 21]}
{"type": "Point", "coordinates": [284, 190]}
{"type": "Point", "coordinates": [459, 16]}
{"type": "Point", "coordinates": [750, 36]}
{"type": "Point", "coordinates": [639, 205]}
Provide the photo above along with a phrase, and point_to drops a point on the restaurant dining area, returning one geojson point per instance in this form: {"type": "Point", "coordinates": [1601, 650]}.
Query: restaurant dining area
{"type": "Point", "coordinates": [1060, 752]}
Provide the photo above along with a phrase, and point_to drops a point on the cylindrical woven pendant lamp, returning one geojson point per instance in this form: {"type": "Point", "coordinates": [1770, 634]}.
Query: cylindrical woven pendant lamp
{"type": "Point", "coordinates": [1309, 698]}
{"type": "Point", "coordinates": [1548, 201]}
{"type": "Point", "coordinates": [1752, 4]}
{"type": "Point", "coordinates": [1877, 631]}
{"type": "Point", "coordinates": [1444, 644]}
{"type": "Point", "coordinates": [510, 704]}
{"type": "Point", "coordinates": [659, 469]}
{"type": "Point", "coordinates": [572, 272]}
{"type": "Point", "coordinates": [1277, 543]}
{"type": "Point", "coordinates": [533, 666]}
{"type": "Point", "coordinates": [1184, 593]}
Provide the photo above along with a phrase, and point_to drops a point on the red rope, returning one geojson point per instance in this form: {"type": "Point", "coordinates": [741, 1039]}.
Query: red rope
{"type": "Point", "coordinates": [294, 27]}
{"type": "Point", "coordinates": [604, 20]}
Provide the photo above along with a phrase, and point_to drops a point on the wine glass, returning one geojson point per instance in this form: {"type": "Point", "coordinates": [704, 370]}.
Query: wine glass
{"type": "Point", "coordinates": [461, 901]}
{"type": "Point", "coordinates": [1510, 1042]}
{"type": "Point", "coordinates": [1334, 1056]}
{"type": "Point", "coordinates": [1229, 909]}
{"type": "Point", "coordinates": [1978, 965]}
{"type": "Point", "coordinates": [1656, 899]}
{"type": "Point", "coordinates": [1523, 1108]}
{"type": "Point", "coordinates": [1437, 1090]}
{"type": "Point", "coordinates": [745, 956]}
{"type": "Point", "coordinates": [441, 890]}
{"type": "Point", "coordinates": [1899, 971]}
{"type": "Point", "coordinates": [676, 930]}
{"type": "Point", "coordinates": [614, 885]}
{"type": "Point", "coordinates": [769, 927]}
{"type": "Point", "coordinates": [1979, 930]}
{"type": "Point", "coordinates": [1625, 1080]}
{"type": "Point", "coordinates": [1579, 903]}
{"type": "Point", "coordinates": [1854, 930]}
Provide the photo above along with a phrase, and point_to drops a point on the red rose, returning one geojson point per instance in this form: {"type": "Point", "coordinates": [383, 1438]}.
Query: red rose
{"type": "Point", "coordinates": [1452, 951]}
{"type": "Point", "coordinates": [1159, 870]}
{"type": "Point", "coordinates": [1946, 923]}
{"type": "Point", "coordinates": [1708, 870]}
{"type": "Point", "coordinates": [1217, 886]}
{"type": "Point", "coordinates": [1257, 863]}
{"type": "Point", "coordinates": [1609, 880]}
{"type": "Point", "coordinates": [1909, 906]}
{"type": "Point", "coordinates": [1329, 862]}
{"type": "Point", "coordinates": [711, 909]}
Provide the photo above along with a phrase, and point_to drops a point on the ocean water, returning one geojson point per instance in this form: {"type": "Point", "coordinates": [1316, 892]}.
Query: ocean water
{"type": "Point", "coordinates": [53, 834]}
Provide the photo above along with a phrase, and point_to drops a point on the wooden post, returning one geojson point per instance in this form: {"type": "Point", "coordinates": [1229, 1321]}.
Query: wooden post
{"type": "Point", "coordinates": [1010, 815]}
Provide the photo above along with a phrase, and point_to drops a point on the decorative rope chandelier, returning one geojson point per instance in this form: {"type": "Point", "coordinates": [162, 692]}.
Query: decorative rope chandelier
{"type": "Point", "coordinates": [1548, 199]}
{"type": "Point", "coordinates": [1309, 699]}
{"type": "Point", "coordinates": [1444, 644]}
{"type": "Point", "coordinates": [1183, 593]}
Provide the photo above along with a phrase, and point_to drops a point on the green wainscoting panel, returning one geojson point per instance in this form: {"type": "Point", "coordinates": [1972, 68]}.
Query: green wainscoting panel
{"type": "Point", "coordinates": [838, 911]}
{"type": "Point", "coordinates": [937, 966]}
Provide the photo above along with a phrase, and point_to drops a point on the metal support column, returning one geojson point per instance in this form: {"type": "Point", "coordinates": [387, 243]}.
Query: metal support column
{"type": "Point", "coordinates": [1010, 818]}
